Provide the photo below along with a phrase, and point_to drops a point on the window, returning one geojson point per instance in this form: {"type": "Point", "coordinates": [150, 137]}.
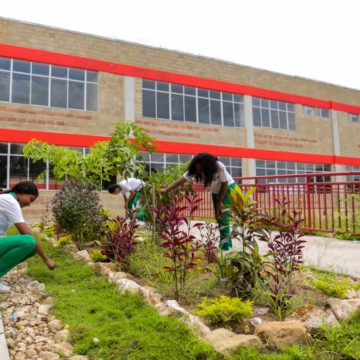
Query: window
{"type": "Point", "coordinates": [273, 167]}
{"type": "Point", "coordinates": [160, 161]}
{"type": "Point", "coordinates": [351, 117]}
{"type": "Point", "coordinates": [26, 82]}
{"type": "Point", "coordinates": [184, 103]}
{"type": "Point", "coordinates": [273, 114]}
{"type": "Point", "coordinates": [314, 111]}
{"type": "Point", "coordinates": [353, 177]}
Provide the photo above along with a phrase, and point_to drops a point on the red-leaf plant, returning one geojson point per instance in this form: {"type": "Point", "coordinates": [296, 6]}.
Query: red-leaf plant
{"type": "Point", "coordinates": [286, 254]}
{"type": "Point", "coordinates": [122, 239]}
{"type": "Point", "coordinates": [178, 237]}
{"type": "Point", "coordinates": [210, 238]}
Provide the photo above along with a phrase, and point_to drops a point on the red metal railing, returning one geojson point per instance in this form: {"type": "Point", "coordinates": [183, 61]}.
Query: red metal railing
{"type": "Point", "coordinates": [329, 206]}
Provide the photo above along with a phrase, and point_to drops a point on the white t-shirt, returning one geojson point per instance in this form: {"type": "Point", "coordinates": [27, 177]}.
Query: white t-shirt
{"type": "Point", "coordinates": [131, 184]}
{"type": "Point", "coordinates": [221, 176]}
{"type": "Point", "coordinates": [10, 212]}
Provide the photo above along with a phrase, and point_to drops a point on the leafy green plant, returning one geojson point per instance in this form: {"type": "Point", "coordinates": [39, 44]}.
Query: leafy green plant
{"type": "Point", "coordinates": [330, 285]}
{"type": "Point", "coordinates": [65, 240]}
{"type": "Point", "coordinates": [77, 210]}
{"type": "Point", "coordinates": [224, 309]}
{"type": "Point", "coordinates": [97, 256]}
{"type": "Point", "coordinates": [104, 160]}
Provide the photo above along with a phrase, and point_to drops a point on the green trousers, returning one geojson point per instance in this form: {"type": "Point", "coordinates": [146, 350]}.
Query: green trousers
{"type": "Point", "coordinates": [14, 250]}
{"type": "Point", "coordinates": [224, 219]}
{"type": "Point", "coordinates": [134, 204]}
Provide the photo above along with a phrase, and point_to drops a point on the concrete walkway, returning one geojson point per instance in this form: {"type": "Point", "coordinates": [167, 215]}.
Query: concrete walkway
{"type": "Point", "coordinates": [340, 256]}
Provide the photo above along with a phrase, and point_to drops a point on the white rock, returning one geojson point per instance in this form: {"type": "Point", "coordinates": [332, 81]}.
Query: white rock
{"type": "Point", "coordinates": [95, 341]}
{"type": "Point", "coordinates": [115, 276]}
{"type": "Point", "coordinates": [62, 335]}
{"type": "Point", "coordinates": [175, 307]}
{"type": "Point", "coordinates": [196, 324]}
{"type": "Point", "coordinates": [150, 295]}
{"type": "Point", "coordinates": [47, 355]}
{"type": "Point", "coordinates": [63, 348]}
{"type": "Point", "coordinates": [79, 357]}
{"type": "Point", "coordinates": [44, 309]}
{"type": "Point", "coordinates": [55, 325]}
{"type": "Point", "coordinates": [124, 285]}
{"type": "Point", "coordinates": [351, 294]}
{"type": "Point", "coordinates": [343, 309]}
{"type": "Point", "coordinates": [227, 341]}
{"type": "Point", "coordinates": [40, 339]}
{"type": "Point", "coordinates": [255, 321]}
{"type": "Point", "coordinates": [82, 255]}
{"type": "Point", "coordinates": [163, 309]}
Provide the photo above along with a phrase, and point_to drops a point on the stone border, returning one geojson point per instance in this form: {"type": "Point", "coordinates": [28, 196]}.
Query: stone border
{"type": "Point", "coordinates": [4, 351]}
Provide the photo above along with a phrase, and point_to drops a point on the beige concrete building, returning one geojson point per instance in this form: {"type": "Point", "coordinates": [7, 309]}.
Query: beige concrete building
{"type": "Point", "coordinates": [70, 89]}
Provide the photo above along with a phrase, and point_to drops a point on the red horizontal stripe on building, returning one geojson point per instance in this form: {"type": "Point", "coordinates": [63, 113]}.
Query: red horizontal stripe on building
{"type": "Point", "coordinates": [23, 136]}
{"type": "Point", "coordinates": [55, 58]}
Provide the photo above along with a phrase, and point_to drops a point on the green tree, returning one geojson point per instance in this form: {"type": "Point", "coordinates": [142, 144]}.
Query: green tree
{"type": "Point", "coordinates": [105, 159]}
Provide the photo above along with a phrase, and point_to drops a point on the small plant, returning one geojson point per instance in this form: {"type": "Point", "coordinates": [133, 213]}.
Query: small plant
{"type": "Point", "coordinates": [65, 240]}
{"type": "Point", "coordinates": [286, 255]}
{"type": "Point", "coordinates": [97, 256]}
{"type": "Point", "coordinates": [180, 245]}
{"type": "Point", "coordinates": [224, 309]}
{"type": "Point", "coordinates": [208, 233]}
{"type": "Point", "coordinates": [121, 241]}
{"type": "Point", "coordinates": [330, 285]}
{"type": "Point", "coordinates": [77, 210]}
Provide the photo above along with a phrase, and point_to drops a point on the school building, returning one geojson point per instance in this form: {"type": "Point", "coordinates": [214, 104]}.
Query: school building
{"type": "Point", "coordinates": [70, 88]}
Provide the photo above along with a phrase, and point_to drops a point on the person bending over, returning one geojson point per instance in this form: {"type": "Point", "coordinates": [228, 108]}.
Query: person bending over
{"type": "Point", "coordinates": [131, 190]}
{"type": "Point", "coordinates": [208, 170]}
{"type": "Point", "coordinates": [16, 249]}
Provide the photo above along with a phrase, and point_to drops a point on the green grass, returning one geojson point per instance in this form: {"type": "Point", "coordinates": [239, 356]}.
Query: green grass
{"type": "Point", "coordinates": [126, 327]}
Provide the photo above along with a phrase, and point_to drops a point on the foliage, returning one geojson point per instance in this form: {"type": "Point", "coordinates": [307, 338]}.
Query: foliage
{"type": "Point", "coordinates": [105, 159]}
{"type": "Point", "coordinates": [122, 239]}
{"type": "Point", "coordinates": [330, 285]}
{"type": "Point", "coordinates": [224, 309]}
{"type": "Point", "coordinates": [151, 192]}
{"type": "Point", "coordinates": [286, 255]}
{"type": "Point", "coordinates": [248, 264]}
{"type": "Point", "coordinates": [180, 245]}
{"type": "Point", "coordinates": [126, 327]}
{"type": "Point", "coordinates": [77, 210]}
{"type": "Point", "coordinates": [209, 239]}
{"type": "Point", "coordinates": [97, 256]}
{"type": "Point", "coordinates": [64, 240]}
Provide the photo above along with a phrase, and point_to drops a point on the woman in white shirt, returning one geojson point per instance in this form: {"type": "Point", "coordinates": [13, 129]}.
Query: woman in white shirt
{"type": "Point", "coordinates": [208, 170]}
{"type": "Point", "coordinates": [16, 249]}
{"type": "Point", "coordinates": [130, 188]}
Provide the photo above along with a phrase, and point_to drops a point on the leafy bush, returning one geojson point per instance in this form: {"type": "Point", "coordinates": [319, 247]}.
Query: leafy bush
{"type": "Point", "coordinates": [330, 285]}
{"type": "Point", "coordinates": [224, 309]}
{"type": "Point", "coordinates": [97, 256]}
{"type": "Point", "coordinates": [77, 210]}
{"type": "Point", "coordinates": [286, 255]}
{"type": "Point", "coordinates": [122, 239]}
{"type": "Point", "coordinates": [64, 240]}
{"type": "Point", "coordinates": [180, 245]}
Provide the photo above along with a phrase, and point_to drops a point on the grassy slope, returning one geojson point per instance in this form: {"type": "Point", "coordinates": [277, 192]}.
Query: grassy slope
{"type": "Point", "coordinates": [127, 328]}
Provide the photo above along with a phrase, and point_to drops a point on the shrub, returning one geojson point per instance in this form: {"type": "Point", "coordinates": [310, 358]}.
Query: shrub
{"type": "Point", "coordinates": [64, 240]}
{"type": "Point", "coordinates": [224, 309]}
{"type": "Point", "coordinates": [77, 210]}
{"type": "Point", "coordinates": [121, 241]}
{"type": "Point", "coordinates": [97, 256]}
{"type": "Point", "coordinates": [330, 285]}
{"type": "Point", "coordinates": [286, 255]}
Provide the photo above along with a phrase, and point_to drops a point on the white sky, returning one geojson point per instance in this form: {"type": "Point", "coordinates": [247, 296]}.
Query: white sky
{"type": "Point", "coordinates": [317, 39]}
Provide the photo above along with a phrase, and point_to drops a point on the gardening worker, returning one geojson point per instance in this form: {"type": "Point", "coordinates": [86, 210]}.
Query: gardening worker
{"type": "Point", "coordinates": [16, 249]}
{"type": "Point", "coordinates": [207, 169]}
{"type": "Point", "coordinates": [131, 190]}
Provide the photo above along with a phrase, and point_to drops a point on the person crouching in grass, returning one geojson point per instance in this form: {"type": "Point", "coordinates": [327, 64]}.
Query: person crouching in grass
{"type": "Point", "coordinates": [18, 248]}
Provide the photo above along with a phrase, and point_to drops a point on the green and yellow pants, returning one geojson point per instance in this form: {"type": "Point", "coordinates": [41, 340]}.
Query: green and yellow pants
{"type": "Point", "coordinates": [14, 250]}
{"type": "Point", "coordinates": [134, 204]}
{"type": "Point", "coordinates": [223, 220]}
